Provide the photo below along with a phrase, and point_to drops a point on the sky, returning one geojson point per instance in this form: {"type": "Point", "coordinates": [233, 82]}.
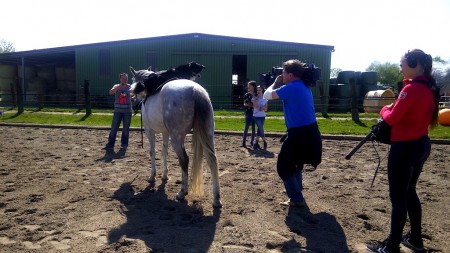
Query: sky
{"type": "Point", "coordinates": [361, 31]}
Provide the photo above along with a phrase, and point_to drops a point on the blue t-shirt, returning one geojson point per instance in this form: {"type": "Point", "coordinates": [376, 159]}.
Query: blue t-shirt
{"type": "Point", "coordinates": [298, 104]}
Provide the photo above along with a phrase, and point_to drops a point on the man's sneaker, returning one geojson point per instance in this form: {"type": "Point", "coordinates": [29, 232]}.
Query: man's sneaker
{"type": "Point", "coordinates": [384, 247]}
{"type": "Point", "coordinates": [415, 245]}
{"type": "Point", "coordinates": [256, 146]}
{"type": "Point", "coordinates": [265, 145]}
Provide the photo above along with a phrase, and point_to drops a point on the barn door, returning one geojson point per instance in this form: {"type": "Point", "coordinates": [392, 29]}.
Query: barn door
{"type": "Point", "coordinates": [239, 79]}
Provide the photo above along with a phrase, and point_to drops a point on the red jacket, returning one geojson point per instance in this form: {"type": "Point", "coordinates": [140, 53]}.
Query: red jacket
{"type": "Point", "coordinates": [412, 111]}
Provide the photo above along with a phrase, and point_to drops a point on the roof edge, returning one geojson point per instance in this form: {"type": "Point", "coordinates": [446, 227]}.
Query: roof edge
{"type": "Point", "coordinates": [186, 35]}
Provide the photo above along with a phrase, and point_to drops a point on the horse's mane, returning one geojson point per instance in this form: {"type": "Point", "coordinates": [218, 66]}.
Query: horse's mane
{"type": "Point", "coordinates": [155, 81]}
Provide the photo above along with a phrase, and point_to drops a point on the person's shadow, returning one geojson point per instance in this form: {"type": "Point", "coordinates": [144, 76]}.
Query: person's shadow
{"type": "Point", "coordinates": [163, 224]}
{"type": "Point", "coordinates": [322, 231]}
{"type": "Point", "coordinates": [111, 155]}
{"type": "Point", "coordinates": [261, 153]}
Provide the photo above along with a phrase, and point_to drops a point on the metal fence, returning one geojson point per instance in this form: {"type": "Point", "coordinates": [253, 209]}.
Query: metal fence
{"type": "Point", "coordinates": [322, 104]}
{"type": "Point", "coordinates": [31, 100]}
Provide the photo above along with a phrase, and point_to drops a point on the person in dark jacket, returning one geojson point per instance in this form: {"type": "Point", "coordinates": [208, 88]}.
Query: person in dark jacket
{"type": "Point", "coordinates": [410, 117]}
{"type": "Point", "coordinates": [248, 107]}
{"type": "Point", "coordinates": [303, 144]}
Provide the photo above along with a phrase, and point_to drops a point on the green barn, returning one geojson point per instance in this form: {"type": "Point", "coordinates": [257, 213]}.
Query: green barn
{"type": "Point", "coordinates": [59, 74]}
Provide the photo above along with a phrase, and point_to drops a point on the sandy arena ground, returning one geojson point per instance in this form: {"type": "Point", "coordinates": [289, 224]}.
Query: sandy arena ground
{"type": "Point", "coordinates": [60, 192]}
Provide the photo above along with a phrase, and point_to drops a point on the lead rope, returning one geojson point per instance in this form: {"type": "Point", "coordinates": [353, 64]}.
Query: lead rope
{"type": "Point", "coordinates": [379, 162]}
{"type": "Point", "coordinates": [142, 133]}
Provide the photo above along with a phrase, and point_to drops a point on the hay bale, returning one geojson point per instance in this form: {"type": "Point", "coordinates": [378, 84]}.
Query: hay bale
{"type": "Point", "coordinates": [376, 99]}
{"type": "Point", "coordinates": [30, 72]}
{"type": "Point", "coordinates": [345, 76]}
{"type": "Point", "coordinates": [8, 71]}
{"type": "Point", "coordinates": [369, 78]}
{"type": "Point", "coordinates": [46, 72]}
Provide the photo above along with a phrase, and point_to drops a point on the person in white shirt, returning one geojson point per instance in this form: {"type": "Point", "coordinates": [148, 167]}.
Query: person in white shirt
{"type": "Point", "coordinates": [260, 106]}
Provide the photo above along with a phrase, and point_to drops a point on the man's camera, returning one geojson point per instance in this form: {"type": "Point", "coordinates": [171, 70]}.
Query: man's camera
{"type": "Point", "coordinates": [268, 78]}
{"type": "Point", "coordinates": [310, 76]}
{"type": "Point", "coordinates": [276, 71]}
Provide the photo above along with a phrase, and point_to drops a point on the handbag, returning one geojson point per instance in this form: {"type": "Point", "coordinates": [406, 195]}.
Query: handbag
{"type": "Point", "coordinates": [381, 132]}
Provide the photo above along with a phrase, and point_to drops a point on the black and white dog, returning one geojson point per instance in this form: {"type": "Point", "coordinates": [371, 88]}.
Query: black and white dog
{"type": "Point", "coordinates": [155, 81]}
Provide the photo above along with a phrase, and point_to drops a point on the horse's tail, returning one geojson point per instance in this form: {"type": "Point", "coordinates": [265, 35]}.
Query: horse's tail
{"type": "Point", "coordinates": [202, 140]}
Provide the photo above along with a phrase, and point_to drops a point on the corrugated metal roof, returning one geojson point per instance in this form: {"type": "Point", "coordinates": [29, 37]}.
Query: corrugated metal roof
{"type": "Point", "coordinates": [67, 53]}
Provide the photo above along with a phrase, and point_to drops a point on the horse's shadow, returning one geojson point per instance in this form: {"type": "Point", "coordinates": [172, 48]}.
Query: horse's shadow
{"type": "Point", "coordinates": [316, 229]}
{"type": "Point", "coordinates": [164, 225]}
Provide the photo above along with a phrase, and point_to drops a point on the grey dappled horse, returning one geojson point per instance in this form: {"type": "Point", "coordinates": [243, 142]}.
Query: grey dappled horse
{"type": "Point", "coordinates": [181, 106]}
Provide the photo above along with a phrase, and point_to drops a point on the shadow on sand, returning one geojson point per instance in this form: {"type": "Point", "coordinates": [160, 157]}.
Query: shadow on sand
{"type": "Point", "coordinates": [260, 152]}
{"type": "Point", "coordinates": [111, 155]}
{"type": "Point", "coordinates": [321, 230]}
{"type": "Point", "coordinates": [164, 225]}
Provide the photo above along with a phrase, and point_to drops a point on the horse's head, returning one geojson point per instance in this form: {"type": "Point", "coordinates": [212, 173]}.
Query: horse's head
{"type": "Point", "coordinates": [139, 76]}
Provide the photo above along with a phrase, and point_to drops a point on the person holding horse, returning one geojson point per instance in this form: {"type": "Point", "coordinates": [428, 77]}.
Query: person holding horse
{"type": "Point", "coordinates": [303, 144]}
{"type": "Point", "coordinates": [260, 106]}
{"type": "Point", "coordinates": [122, 113]}
{"type": "Point", "coordinates": [248, 106]}
{"type": "Point", "coordinates": [410, 117]}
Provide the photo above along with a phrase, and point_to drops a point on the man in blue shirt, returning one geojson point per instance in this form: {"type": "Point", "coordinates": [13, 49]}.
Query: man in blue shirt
{"type": "Point", "coordinates": [303, 144]}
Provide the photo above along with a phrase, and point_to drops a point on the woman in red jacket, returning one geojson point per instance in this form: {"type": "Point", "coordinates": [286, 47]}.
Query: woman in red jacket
{"type": "Point", "coordinates": [414, 111]}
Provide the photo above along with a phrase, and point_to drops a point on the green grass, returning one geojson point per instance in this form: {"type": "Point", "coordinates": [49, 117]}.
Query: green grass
{"type": "Point", "coordinates": [335, 124]}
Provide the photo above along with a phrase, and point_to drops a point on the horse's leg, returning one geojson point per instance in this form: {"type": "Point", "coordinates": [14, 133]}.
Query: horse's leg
{"type": "Point", "coordinates": [152, 139]}
{"type": "Point", "coordinates": [183, 160]}
{"type": "Point", "coordinates": [165, 148]}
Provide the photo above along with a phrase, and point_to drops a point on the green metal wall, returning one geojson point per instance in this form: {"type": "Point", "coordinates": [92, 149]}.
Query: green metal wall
{"type": "Point", "coordinates": [215, 52]}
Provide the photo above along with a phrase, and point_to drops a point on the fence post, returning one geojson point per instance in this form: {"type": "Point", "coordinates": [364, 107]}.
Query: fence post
{"type": "Point", "coordinates": [19, 98]}
{"type": "Point", "coordinates": [13, 95]}
{"type": "Point", "coordinates": [323, 102]}
{"type": "Point", "coordinates": [87, 97]}
{"type": "Point", "coordinates": [354, 100]}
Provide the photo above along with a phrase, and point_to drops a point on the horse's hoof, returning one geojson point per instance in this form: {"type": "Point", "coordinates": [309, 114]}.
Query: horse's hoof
{"type": "Point", "coordinates": [180, 196]}
{"type": "Point", "coordinates": [217, 204]}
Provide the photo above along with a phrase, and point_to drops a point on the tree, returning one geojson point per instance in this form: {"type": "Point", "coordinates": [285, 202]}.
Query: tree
{"type": "Point", "coordinates": [439, 60]}
{"type": "Point", "coordinates": [334, 72]}
{"type": "Point", "coordinates": [388, 73]}
{"type": "Point", "coordinates": [6, 47]}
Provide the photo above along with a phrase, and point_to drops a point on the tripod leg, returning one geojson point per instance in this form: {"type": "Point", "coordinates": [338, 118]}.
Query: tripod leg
{"type": "Point", "coordinates": [353, 151]}
{"type": "Point", "coordinates": [374, 176]}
